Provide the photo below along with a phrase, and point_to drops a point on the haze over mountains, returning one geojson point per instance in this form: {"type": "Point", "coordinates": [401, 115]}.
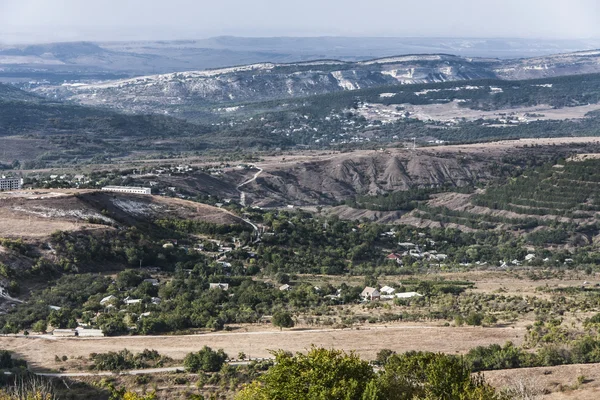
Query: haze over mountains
{"type": "Point", "coordinates": [156, 57]}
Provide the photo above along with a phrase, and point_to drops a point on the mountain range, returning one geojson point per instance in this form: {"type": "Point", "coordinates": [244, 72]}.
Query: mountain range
{"type": "Point", "coordinates": [157, 57]}
{"type": "Point", "coordinates": [181, 92]}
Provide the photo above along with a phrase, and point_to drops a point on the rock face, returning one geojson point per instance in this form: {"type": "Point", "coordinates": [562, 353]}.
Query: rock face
{"type": "Point", "coordinates": [177, 92]}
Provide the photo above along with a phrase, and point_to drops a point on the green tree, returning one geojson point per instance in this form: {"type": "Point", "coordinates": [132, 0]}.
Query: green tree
{"type": "Point", "coordinates": [419, 375]}
{"type": "Point", "coordinates": [320, 374]}
{"type": "Point", "coordinates": [206, 360]}
{"type": "Point", "coordinates": [40, 326]}
{"type": "Point", "coordinates": [283, 320]}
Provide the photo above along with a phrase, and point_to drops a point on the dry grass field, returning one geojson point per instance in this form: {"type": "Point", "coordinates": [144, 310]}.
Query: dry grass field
{"type": "Point", "coordinates": [258, 341]}
{"type": "Point", "coordinates": [578, 381]}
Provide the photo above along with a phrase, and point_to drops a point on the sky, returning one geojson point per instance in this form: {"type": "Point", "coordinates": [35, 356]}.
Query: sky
{"type": "Point", "coordinates": [26, 21]}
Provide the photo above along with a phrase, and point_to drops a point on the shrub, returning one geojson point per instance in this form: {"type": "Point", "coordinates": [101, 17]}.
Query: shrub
{"type": "Point", "coordinates": [206, 360]}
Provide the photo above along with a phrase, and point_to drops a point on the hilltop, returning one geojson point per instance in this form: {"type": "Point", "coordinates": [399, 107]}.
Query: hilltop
{"type": "Point", "coordinates": [37, 214]}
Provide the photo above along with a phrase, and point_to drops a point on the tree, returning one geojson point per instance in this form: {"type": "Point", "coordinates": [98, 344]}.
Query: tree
{"type": "Point", "coordinates": [320, 374]}
{"type": "Point", "coordinates": [283, 319]}
{"type": "Point", "coordinates": [283, 278]}
{"type": "Point", "coordinates": [421, 375]}
{"type": "Point", "coordinates": [206, 360]}
{"type": "Point", "coordinates": [383, 355]}
{"type": "Point", "coordinates": [40, 326]}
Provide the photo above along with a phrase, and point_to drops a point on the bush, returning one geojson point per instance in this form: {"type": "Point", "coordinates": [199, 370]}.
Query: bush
{"type": "Point", "coordinates": [206, 360]}
{"type": "Point", "coordinates": [125, 360]}
{"type": "Point", "coordinates": [283, 320]}
{"type": "Point", "coordinates": [474, 319]}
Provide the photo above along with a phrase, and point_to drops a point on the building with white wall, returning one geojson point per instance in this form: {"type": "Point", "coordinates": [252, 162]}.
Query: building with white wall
{"type": "Point", "coordinates": [127, 189]}
{"type": "Point", "coordinates": [10, 183]}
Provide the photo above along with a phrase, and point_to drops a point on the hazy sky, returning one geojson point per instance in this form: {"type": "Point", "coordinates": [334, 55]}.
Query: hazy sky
{"type": "Point", "coordinates": [55, 20]}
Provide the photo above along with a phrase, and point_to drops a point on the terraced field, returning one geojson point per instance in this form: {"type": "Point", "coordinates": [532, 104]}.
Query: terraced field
{"type": "Point", "coordinates": [565, 195]}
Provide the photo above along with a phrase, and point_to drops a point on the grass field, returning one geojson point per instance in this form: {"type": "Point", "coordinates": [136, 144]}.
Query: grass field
{"type": "Point", "coordinates": [257, 341]}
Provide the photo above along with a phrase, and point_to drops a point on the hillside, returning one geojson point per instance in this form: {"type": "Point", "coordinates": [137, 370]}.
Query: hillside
{"type": "Point", "coordinates": [10, 93]}
{"type": "Point", "coordinates": [329, 180]}
{"type": "Point", "coordinates": [40, 213]}
{"type": "Point", "coordinates": [178, 92]}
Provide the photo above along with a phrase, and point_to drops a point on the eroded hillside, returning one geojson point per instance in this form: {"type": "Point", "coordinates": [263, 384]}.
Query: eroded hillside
{"type": "Point", "coordinates": [328, 180]}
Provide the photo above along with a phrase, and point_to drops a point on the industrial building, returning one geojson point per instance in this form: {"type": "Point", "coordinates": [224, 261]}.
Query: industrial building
{"type": "Point", "coordinates": [10, 183]}
{"type": "Point", "coordinates": [127, 189]}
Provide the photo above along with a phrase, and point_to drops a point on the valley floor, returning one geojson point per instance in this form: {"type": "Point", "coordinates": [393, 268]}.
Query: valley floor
{"type": "Point", "coordinates": [257, 341]}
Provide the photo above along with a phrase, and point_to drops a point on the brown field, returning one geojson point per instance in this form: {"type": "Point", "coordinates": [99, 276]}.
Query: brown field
{"type": "Point", "coordinates": [258, 341]}
{"type": "Point", "coordinates": [552, 383]}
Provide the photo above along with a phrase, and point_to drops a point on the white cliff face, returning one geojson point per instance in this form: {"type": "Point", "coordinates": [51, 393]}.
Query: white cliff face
{"type": "Point", "coordinates": [264, 81]}
{"type": "Point", "coordinates": [168, 93]}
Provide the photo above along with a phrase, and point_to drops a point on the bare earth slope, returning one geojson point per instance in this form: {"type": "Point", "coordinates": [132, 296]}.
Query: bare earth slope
{"type": "Point", "coordinates": [37, 214]}
{"type": "Point", "coordinates": [328, 179]}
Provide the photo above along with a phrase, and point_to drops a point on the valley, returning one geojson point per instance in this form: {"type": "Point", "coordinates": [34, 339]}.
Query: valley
{"type": "Point", "coordinates": [193, 226]}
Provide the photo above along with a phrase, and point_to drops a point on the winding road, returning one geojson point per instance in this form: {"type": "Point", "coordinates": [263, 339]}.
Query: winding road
{"type": "Point", "coordinates": [242, 193]}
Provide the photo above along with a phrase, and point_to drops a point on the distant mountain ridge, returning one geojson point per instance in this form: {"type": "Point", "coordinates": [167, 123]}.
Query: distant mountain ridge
{"type": "Point", "coordinates": [178, 92]}
{"type": "Point", "coordinates": [158, 57]}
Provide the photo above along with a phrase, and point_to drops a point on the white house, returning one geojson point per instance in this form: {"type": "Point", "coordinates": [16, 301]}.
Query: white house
{"type": "Point", "coordinates": [107, 299]}
{"type": "Point", "coordinates": [129, 301]}
{"type": "Point", "coordinates": [222, 286]}
{"type": "Point", "coordinates": [127, 189]}
{"type": "Point", "coordinates": [370, 293]}
{"type": "Point", "coordinates": [387, 290]}
{"type": "Point", "coordinates": [408, 295]}
{"type": "Point", "coordinates": [64, 332]}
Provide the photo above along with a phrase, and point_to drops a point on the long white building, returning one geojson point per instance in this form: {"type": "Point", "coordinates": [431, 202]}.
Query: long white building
{"type": "Point", "coordinates": [10, 183]}
{"type": "Point", "coordinates": [127, 189]}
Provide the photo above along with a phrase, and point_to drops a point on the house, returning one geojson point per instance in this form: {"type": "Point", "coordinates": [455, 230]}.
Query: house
{"type": "Point", "coordinates": [153, 281]}
{"type": "Point", "coordinates": [64, 332]}
{"type": "Point", "coordinates": [285, 288]}
{"type": "Point", "coordinates": [529, 257]}
{"type": "Point", "coordinates": [370, 293]}
{"type": "Point", "coordinates": [408, 295]}
{"type": "Point", "coordinates": [387, 290]}
{"type": "Point", "coordinates": [129, 301]}
{"type": "Point", "coordinates": [415, 254]}
{"type": "Point", "coordinates": [222, 286]}
{"type": "Point", "coordinates": [156, 300]}
{"type": "Point", "coordinates": [84, 332]}
{"type": "Point", "coordinates": [107, 299]}
{"type": "Point", "coordinates": [394, 256]}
